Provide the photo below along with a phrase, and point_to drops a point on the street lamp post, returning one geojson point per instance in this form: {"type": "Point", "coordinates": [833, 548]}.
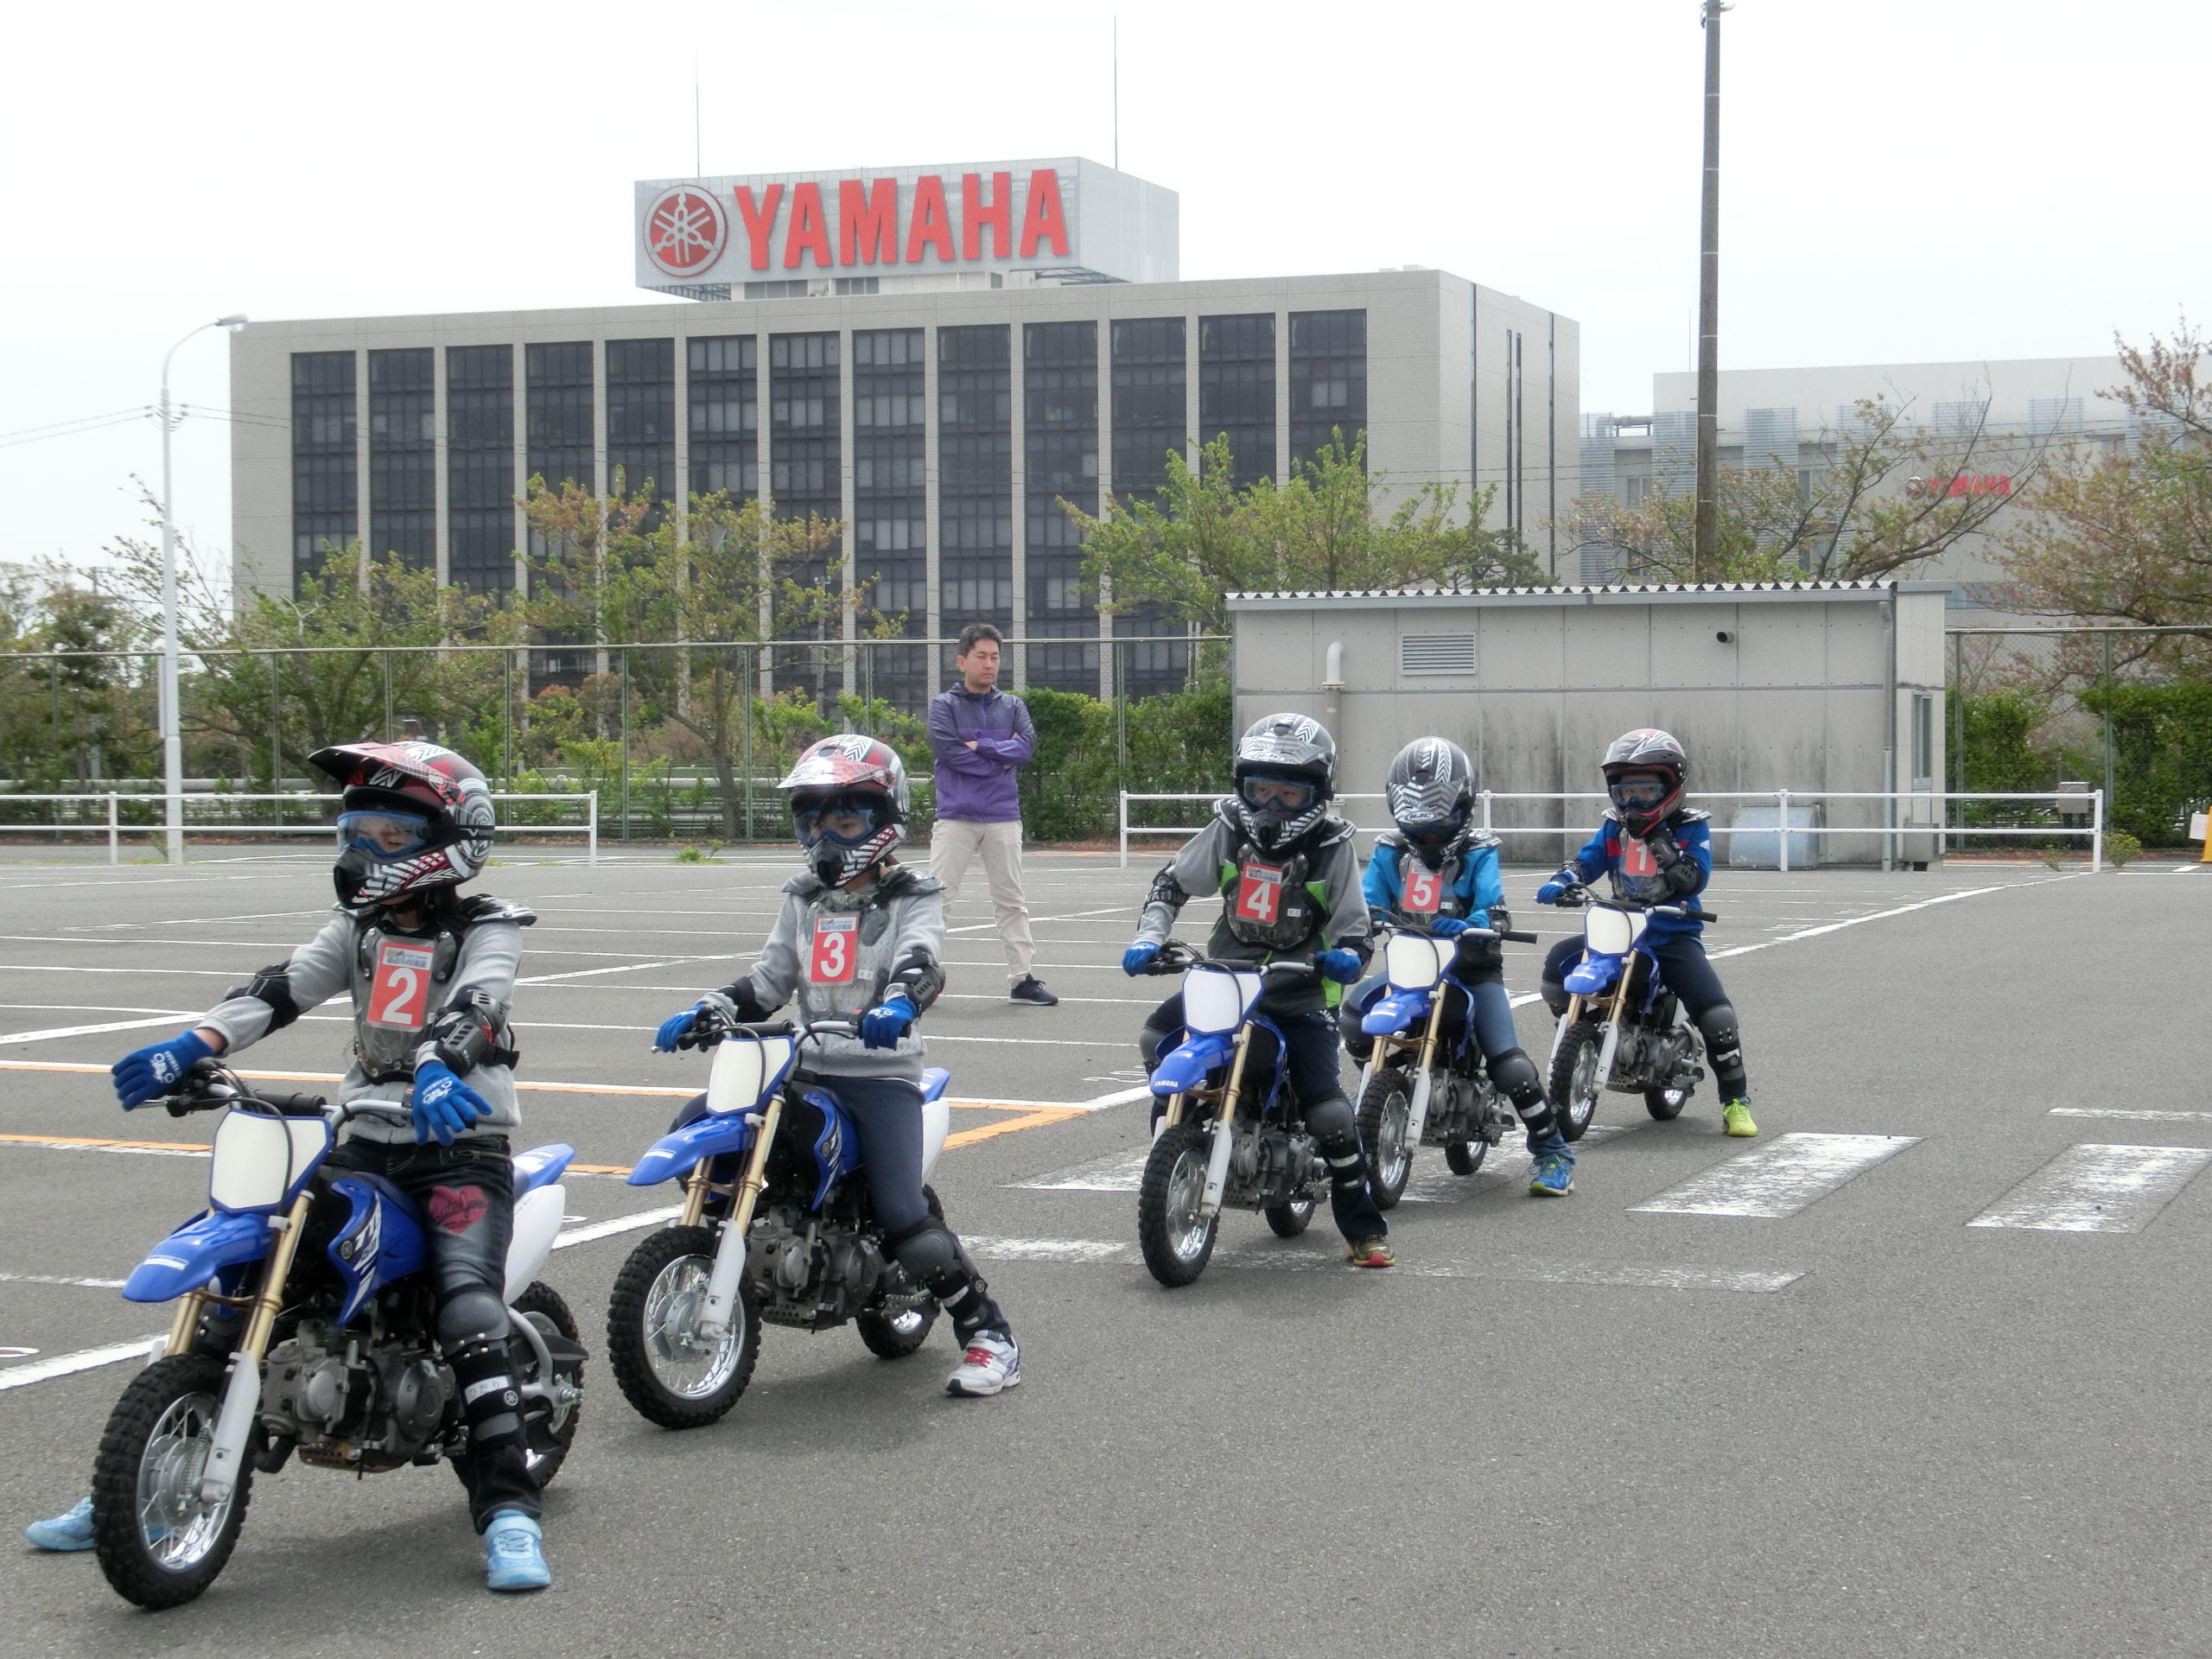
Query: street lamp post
{"type": "Point", "coordinates": [172, 714]}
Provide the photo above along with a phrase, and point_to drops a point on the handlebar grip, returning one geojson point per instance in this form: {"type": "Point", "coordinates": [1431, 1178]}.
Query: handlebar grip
{"type": "Point", "coordinates": [295, 1105]}
{"type": "Point", "coordinates": [1517, 937]}
{"type": "Point", "coordinates": [1697, 915]}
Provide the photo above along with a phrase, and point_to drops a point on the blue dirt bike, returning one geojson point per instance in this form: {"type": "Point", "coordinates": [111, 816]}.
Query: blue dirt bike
{"type": "Point", "coordinates": [790, 1240]}
{"type": "Point", "coordinates": [1412, 1093]}
{"type": "Point", "coordinates": [305, 1323]}
{"type": "Point", "coordinates": [1232, 1133]}
{"type": "Point", "coordinates": [1623, 1030]}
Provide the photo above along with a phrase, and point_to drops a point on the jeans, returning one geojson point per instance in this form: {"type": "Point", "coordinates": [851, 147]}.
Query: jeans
{"type": "Point", "coordinates": [466, 1195]}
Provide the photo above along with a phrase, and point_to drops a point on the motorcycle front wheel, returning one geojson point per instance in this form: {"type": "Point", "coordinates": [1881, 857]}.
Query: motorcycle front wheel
{"type": "Point", "coordinates": [1176, 1242]}
{"type": "Point", "coordinates": [1386, 1112]}
{"type": "Point", "coordinates": [159, 1544]}
{"type": "Point", "coordinates": [660, 1363]}
{"type": "Point", "coordinates": [1575, 1079]}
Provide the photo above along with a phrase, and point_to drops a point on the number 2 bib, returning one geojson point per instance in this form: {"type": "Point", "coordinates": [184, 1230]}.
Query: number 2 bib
{"type": "Point", "coordinates": [399, 984]}
{"type": "Point", "coordinates": [836, 955]}
{"type": "Point", "coordinates": [1424, 891]}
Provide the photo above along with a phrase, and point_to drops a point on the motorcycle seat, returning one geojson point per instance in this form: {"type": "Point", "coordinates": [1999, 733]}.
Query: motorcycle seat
{"type": "Point", "coordinates": [934, 1080]}
{"type": "Point", "coordinates": [541, 1165]}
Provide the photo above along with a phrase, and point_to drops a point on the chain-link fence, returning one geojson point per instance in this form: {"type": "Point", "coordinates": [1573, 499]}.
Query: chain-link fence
{"type": "Point", "coordinates": [680, 741]}
{"type": "Point", "coordinates": [2127, 710]}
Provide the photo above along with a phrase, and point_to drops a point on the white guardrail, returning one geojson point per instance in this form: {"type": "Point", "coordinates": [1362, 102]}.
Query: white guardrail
{"type": "Point", "coordinates": [2065, 803]}
{"type": "Point", "coordinates": [114, 829]}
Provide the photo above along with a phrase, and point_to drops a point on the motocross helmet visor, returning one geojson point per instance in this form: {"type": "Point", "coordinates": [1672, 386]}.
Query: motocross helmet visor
{"type": "Point", "coordinates": [383, 834]}
{"type": "Point", "coordinates": [844, 819]}
{"type": "Point", "coordinates": [1286, 795]}
{"type": "Point", "coordinates": [1640, 789]}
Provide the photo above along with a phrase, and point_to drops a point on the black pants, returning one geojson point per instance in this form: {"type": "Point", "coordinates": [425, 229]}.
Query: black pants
{"type": "Point", "coordinates": [465, 1192]}
{"type": "Point", "coordinates": [1689, 976]}
{"type": "Point", "coordinates": [1314, 1063]}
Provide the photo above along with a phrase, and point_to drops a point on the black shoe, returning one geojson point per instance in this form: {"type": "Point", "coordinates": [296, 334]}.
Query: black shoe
{"type": "Point", "coordinates": [1030, 991]}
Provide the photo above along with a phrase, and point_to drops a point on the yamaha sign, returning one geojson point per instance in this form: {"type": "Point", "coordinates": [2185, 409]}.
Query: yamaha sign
{"type": "Point", "coordinates": [1069, 219]}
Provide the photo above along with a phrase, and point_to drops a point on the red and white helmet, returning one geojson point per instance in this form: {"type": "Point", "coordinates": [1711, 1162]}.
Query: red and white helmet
{"type": "Point", "coordinates": [414, 816]}
{"type": "Point", "coordinates": [1647, 749]}
{"type": "Point", "coordinates": [850, 772]}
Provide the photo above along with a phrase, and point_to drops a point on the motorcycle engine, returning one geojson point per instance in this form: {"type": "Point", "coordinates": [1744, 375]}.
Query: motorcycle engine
{"type": "Point", "coordinates": [1281, 1162]}
{"type": "Point", "coordinates": [352, 1405]}
{"type": "Point", "coordinates": [814, 1281]}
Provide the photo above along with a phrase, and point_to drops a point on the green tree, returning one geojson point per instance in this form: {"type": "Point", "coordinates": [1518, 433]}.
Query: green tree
{"type": "Point", "coordinates": [69, 714]}
{"type": "Point", "coordinates": [1881, 507]}
{"type": "Point", "coordinates": [1204, 537]}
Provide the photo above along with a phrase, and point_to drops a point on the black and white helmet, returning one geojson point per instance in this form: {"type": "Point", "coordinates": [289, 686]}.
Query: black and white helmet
{"type": "Point", "coordinates": [1431, 792]}
{"type": "Point", "coordinates": [1286, 773]}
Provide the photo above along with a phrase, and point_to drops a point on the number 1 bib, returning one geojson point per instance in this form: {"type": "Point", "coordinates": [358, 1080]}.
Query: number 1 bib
{"type": "Point", "coordinates": [399, 985]}
{"type": "Point", "coordinates": [836, 955]}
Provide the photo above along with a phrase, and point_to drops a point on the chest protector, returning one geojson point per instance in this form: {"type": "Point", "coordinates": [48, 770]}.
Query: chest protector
{"type": "Point", "coordinates": [1424, 894]}
{"type": "Point", "coordinates": [1265, 901]}
{"type": "Point", "coordinates": [846, 953]}
{"type": "Point", "coordinates": [1637, 874]}
{"type": "Point", "coordinates": [398, 985]}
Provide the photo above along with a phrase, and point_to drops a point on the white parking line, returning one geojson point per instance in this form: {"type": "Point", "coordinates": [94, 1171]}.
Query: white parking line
{"type": "Point", "coordinates": [1779, 1178]}
{"type": "Point", "coordinates": [84, 1359]}
{"type": "Point", "coordinates": [2132, 1114]}
{"type": "Point", "coordinates": [52, 1279]}
{"type": "Point", "coordinates": [599, 1229]}
{"type": "Point", "coordinates": [2098, 1189]}
{"type": "Point", "coordinates": [53, 1032]}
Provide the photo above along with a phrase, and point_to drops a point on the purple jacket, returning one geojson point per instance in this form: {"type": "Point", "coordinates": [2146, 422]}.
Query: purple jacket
{"type": "Point", "coordinates": [978, 784]}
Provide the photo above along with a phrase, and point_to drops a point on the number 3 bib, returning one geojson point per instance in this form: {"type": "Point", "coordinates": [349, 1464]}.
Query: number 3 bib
{"type": "Point", "coordinates": [399, 985]}
{"type": "Point", "coordinates": [836, 955]}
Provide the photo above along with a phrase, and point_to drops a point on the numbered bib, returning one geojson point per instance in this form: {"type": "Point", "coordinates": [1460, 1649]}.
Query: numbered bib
{"type": "Point", "coordinates": [836, 955]}
{"type": "Point", "coordinates": [1424, 891]}
{"type": "Point", "coordinates": [1259, 893]}
{"type": "Point", "coordinates": [399, 985]}
{"type": "Point", "coordinates": [1637, 859]}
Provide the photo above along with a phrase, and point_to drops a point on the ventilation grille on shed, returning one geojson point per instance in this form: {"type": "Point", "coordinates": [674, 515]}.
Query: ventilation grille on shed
{"type": "Point", "coordinates": [1436, 653]}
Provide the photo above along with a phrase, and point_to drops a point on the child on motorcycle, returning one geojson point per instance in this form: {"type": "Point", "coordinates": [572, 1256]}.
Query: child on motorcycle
{"type": "Point", "coordinates": [859, 938]}
{"type": "Point", "coordinates": [1437, 871]}
{"type": "Point", "coordinates": [431, 976]}
{"type": "Point", "coordinates": [1657, 852]}
{"type": "Point", "coordinates": [1288, 879]}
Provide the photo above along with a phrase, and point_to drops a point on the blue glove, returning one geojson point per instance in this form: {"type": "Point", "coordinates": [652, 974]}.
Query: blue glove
{"type": "Point", "coordinates": [1340, 965]}
{"type": "Point", "coordinates": [1444, 926]}
{"type": "Point", "coordinates": [444, 1104]}
{"type": "Point", "coordinates": [145, 1073]}
{"type": "Point", "coordinates": [1138, 957]}
{"type": "Point", "coordinates": [1553, 891]}
{"type": "Point", "coordinates": [675, 1026]}
{"type": "Point", "coordinates": [882, 1026]}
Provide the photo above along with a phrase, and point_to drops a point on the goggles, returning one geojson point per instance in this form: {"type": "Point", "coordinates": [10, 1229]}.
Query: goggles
{"type": "Point", "coordinates": [847, 820]}
{"type": "Point", "coordinates": [1284, 794]}
{"type": "Point", "coordinates": [1431, 832]}
{"type": "Point", "coordinates": [1647, 789]}
{"type": "Point", "coordinates": [383, 834]}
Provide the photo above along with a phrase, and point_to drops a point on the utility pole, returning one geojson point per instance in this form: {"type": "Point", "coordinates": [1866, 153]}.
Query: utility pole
{"type": "Point", "coordinates": [1707, 560]}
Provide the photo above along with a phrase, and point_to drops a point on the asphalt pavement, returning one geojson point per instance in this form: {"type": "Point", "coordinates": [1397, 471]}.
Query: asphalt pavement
{"type": "Point", "coordinates": [1918, 1370]}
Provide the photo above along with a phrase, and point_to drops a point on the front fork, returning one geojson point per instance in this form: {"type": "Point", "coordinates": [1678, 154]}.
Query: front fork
{"type": "Point", "coordinates": [242, 1380]}
{"type": "Point", "coordinates": [730, 1249]}
{"type": "Point", "coordinates": [1225, 1131]}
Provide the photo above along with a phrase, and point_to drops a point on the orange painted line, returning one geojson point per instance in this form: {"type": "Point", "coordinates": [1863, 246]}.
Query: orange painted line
{"type": "Point", "coordinates": [102, 1141]}
{"type": "Point", "coordinates": [1035, 1120]}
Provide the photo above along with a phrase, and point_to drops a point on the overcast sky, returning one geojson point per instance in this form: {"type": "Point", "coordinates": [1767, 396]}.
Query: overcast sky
{"type": "Point", "coordinates": [1941, 181]}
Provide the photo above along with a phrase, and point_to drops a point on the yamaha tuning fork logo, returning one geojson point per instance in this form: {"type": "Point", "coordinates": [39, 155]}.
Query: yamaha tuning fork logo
{"type": "Point", "coordinates": [685, 229]}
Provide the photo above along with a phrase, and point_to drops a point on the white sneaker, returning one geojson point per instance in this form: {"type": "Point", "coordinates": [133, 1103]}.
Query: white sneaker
{"type": "Point", "coordinates": [991, 1366]}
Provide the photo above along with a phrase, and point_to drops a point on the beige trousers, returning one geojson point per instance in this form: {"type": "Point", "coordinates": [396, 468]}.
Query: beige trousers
{"type": "Point", "coordinates": [954, 843]}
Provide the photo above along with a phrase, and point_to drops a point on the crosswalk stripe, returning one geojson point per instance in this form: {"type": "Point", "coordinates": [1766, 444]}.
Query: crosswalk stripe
{"type": "Point", "coordinates": [2133, 1115]}
{"type": "Point", "coordinates": [1779, 1178]}
{"type": "Point", "coordinates": [2098, 1189]}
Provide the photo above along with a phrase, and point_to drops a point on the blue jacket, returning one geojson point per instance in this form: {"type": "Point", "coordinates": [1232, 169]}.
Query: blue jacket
{"type": "Point", "coordinates": [980, 785]}
{"type": "Point", "coordinates": [1612, 851]}
{"type": "Point", "coordinates": [1469, 879]}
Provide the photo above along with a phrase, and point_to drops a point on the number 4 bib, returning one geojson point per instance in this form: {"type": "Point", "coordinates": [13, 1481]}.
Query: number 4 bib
{"type": "Point", "coordinates": [1259, 893]}
{"type": "Point", "coordinates": [399, 985]}
{"type": "Point", "coordinates": [835, 956]}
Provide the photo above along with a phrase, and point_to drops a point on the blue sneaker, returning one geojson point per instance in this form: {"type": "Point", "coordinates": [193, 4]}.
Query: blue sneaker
{"type": "Point", "coordinates": [1552, 1177]}
{"type": "Point", "coordinates": [513, 1559]}
{"type": "Point", "coordinates": [64, 1532]}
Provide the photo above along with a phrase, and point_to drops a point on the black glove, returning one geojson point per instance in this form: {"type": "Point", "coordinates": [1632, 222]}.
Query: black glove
{"type": "Point", "coordinates": [1666, 851]}
{"type": "Point", "coordinates": [1480, 954]}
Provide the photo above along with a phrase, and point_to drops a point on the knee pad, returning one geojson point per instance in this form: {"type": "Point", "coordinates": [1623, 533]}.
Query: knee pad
{"type": "Point", "coordinates": [491, 1402]}
{"type": "Point", "coordinates": [694, 1108]}
{"type": "Point", "coordinates": [470, 1316]}
{"type": "Point", "coordinates": [1515, 1073]}
{"type": "Point", "coordinates": [1357, 1043]}
{"type": "Point", "coordinates": [1553, 992]}
{"type": "Point", "coordinates": [1328, 1120]}
{"type": "Point", "coordinates": [933, 1256]}
{"type": "Point", "coordinates": [1722, 1040]}
{"type": "Point", "coordinates": [1150, 1041]}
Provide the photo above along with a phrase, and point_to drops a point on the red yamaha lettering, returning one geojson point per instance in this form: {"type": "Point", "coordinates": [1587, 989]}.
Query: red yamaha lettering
{"type": "Point", "coordinates": [976, 212]}
{"type": "Point", "coordinates": [1259, 892]}
{"type": "Point", "coordinates": [835, 956]}
{"type": "Point", "coordinates": [759, 220]}
{"type": "Point", "coordinates": [399, 985]}
{"type": "Point", "coordinates": [810, 231]}
{"type": "Point", "coordinates": [868, 224]}
{"type": "Point", "coordinates": [1424, 892]}
{"type": "Point", "coordinates": [931, 225]}
{"type": "Point", "coordinates": [1043, 219]}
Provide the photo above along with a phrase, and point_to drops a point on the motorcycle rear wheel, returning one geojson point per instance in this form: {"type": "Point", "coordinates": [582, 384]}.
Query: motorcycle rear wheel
{"type": "Point", "coordinates": [159, 1546]}
{"type": "Point", "coordinates": [1177, 1244]}
{"type": "Point", "coordinates": [1385, 1115]}
{"type": "Point", "coordinates": [1574, 1080]}
{"type": "Point", "coordinates": [1665, 1103]}
{"type": "Point", "coordinates": [549, 1439]}
{"type": "Point", "coordinates": [1289, 1220]}
{"type": "Point", "coordinates": [894, 1336]}
{"type": "Point", "coordinates": [658, 1362]}
{"type": "Point", "coordinates": [1465, 1157]}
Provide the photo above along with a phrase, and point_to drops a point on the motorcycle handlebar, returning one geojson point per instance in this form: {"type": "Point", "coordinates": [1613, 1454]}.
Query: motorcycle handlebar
{"type": "Point", "coordinates": [1174, 958]}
